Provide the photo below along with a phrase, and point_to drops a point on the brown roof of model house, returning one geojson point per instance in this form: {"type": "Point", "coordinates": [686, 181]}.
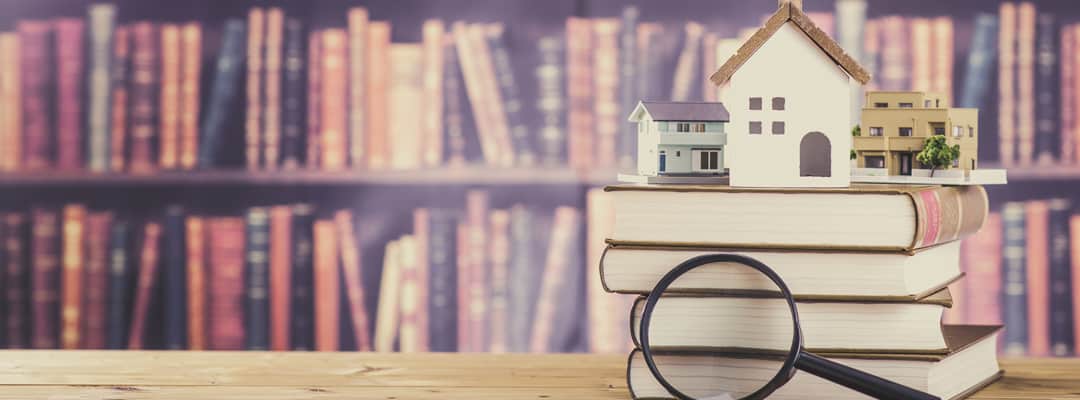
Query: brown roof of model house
{"type": "Point", "coordinates": [790, 12]}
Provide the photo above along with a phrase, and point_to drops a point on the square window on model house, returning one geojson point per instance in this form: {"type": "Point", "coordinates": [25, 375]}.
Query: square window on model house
{"type": "Point", "coordinates": [876, 131]}
{"type": "Point", "coordinates": [682, 127]}
{"type": "Point", "coordinates": [699, 127]}
{"type": "Point", "coordinates": [881, 105]}
{"type": "Point", "coordinates": [755, 127]}
{"type": "Point", "coordinates": [778, 127]}
{"type": "Point", "coordinates": [755, 103]}
{"type": "Point", "coordinates": [958, 131]}
{"type": "Point", "coordinates": [905, 131]}
{"type": "Point", "coordinates": [778, 103]}
{"type": "Point", "coordinates": [906, 105]}
{"type": "Point", "coordinates": [874, 161]}
{"type": "Point", "coordinates": [971, 131]}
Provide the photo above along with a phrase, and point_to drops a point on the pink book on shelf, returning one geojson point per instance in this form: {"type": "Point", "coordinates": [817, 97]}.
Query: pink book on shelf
{"type": "Point", "coordinates": [1038, 278]}
{"type": "Point", "coordinates": [921, 53]}
{"type": "Point", "coordinates": [169, 92]}
{"type": "Point", "coordinates": [253, 115]}
{"type": "Point", "coordinates": [1075, 110]}
{"type": "Point", "coordinates": [579, 75]}
{"type": "Point", "coordinates": [377, 109]}
{"type": "Point", "coordinates": [606, 89]}
{"type": "Point", "coordinates": [1006, 84]}
{"type": "Point", "coordinates": [941, 77]}
{"type": "Point", "coordinates": [982, 266]}
{"type": "Point", "coordinates": [280, 276]}
{"type": "Point", "coordinates": [434, 37]}
{"type": "Point", "coordinates": [1025, 82]}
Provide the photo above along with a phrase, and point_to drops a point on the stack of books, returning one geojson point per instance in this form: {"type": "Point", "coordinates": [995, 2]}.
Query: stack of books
{"type": "Point", "coordinates": [869, 265]}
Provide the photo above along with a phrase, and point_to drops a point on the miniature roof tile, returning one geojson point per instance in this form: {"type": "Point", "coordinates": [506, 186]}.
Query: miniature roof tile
{"type": "Point", "coordinates": [686, 111]}
{"type": "Point", "coordinates": [789, 12]}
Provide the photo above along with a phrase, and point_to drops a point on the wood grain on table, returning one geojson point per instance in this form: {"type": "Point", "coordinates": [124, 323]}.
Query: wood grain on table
{"type": "Point", "coordinates": [29, 374]}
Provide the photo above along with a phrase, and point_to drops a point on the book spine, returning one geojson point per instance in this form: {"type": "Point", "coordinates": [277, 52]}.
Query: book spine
{"type": "Point", "coordinates": [1007, 84]}
{"type": "Point", "coordinates": [685, 73]}
{"type": "Point", "coordinates": [977, 76]}
{"type": "Point", "coordinates": [477, 209]}
{"type": "Point", "coordinates": [434, 37]}
{"type": "Point", "coordinates": [941, 30]}
{"type": "Point", "coordinates": [354, 282]}
{"type": "Point", "coordinates": [377, 96]}
{"type": "Point", "coordinates": [257, 279]}
{"type": "Point", "coordinates": [442, 281]}
{"type": "Point", "coordinates": [292, 92]}
{"type": "Point", "coordinates": [464, 297]}
{"type": "Point", "coordinates": [453, 105]}
{"type": "Point", "coordinates": [223, 91]}
{"type": "Point", "coordinates": [71, 285]}
{"type": "Point", "coordinates": [17, 294]}
{"type": "Point", "coordinates": [144, 87]}
{"type": "Point", "coordinates": [406, 92]}
{"type": "Point", "coordinates": [190, 79]}
{"type": "Point", "coordinates": [69, 90]}
{"type": "Point", "coordinates": [117, 300]}
{"type": "Point", "coordinates": [358, 61]}
{"type": "Point", "coordinates": [474, 90]}
{"type": "Point", "coordinates": [169, 106]}
{"type": "Point", "coordinates": [333, 122]}
{"type": "Point", "coordinates": [226, 284]}
{"type": "Point", "coordinates": [520, 138]}
{"type": "Point", "coordinates": [491, 98]}
{"type": "Point", "coordinates": [175, 278]}
{"type": "Point", "coordinates": [556, 320]}
{"type": "Point", "coordinates": [1060, 280]}
{"type": "Point", "coordinates": [326, 294]}
{"type": "Point", "coordinates": [606, 90]}
{"type": "Point", "coordinates": [195, 243]}
{"type": "Point", "coordinates": [1025, 82]}
{"type": "Point", "coordinates": [118, 115]}
{"type": "Point", "coordinates": [36, 73]}
{"type": "Point", "coordinates": [96, 278]}
{"type": "Point", "coordinates": [1067, 72]}
{"type": "Point", "coordinates": [271, 125]}
{"type": "Point", "coordinates": [314, 99]}
{"type": "Point", "coordinates": [982, 257]}
{"type": "Point", "coordinates": [524, 277]}
{"type": "Point", "coordinates": [144, 290]}
{"type": "Point", "coordinates": [499, 246]}
{"type": "Point", "coordinates": [579, 92]}
{"type": "Point", "coordinates": [409, 330]}
{"type": "Point", "coordinates": [301, 323]}
{"type": "Point", "coordinates": [1072, 90]}
{"type": "Point", "coordinates": [46, 279]}
{"type": "Point", "coordinates": [386, 327]}
{"type": "Point", "coordinates": [937, 220]}
{"type": "Point", "coordinates": [10, 103]}
{"type": "Point", "coordinates": [628, 92]}
{"type": "Point", "coordinates": [1038, 274]}
{"type": "Point", "coordinates": [280, 271]}
{"type": "Point", "coordinates": [1014, 300]}
{"type": "Point", "coordinates": [253, 114]}
{"type": "Point", "coordinates": [1047, 87]}
{"type": "Point", "coordinates": [551, 103]}
{"type": "Point", "coordinates": [102, 22]}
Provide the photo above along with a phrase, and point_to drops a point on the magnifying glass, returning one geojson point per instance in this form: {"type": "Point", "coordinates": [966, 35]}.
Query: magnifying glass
{"type": "Point", "coordinates": [758, 345]}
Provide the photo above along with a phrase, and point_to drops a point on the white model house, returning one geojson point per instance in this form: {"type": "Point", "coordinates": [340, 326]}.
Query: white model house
{"type": "Point", "coordinates": [680, 138]}
{"type": "Point", "coordinates": [789, 89]}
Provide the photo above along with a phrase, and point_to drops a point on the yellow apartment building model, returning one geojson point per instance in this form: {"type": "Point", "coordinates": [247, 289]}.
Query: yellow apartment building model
{"type": "Point", "coordinates": [894, 128]}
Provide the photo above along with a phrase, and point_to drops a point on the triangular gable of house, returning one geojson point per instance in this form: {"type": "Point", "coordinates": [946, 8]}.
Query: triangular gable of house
{"type": "Point", "coordinates": [788, 12]}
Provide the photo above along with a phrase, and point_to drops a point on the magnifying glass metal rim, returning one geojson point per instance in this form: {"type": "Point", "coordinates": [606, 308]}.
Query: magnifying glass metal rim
{"type": "Point", "coordinates": [786, 371]}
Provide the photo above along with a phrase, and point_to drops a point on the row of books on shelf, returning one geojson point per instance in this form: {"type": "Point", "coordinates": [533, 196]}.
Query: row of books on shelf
{"type": "Point", "coordinates": [1022, 271]}
{"type": "Point", "coordinates": [290, 277]}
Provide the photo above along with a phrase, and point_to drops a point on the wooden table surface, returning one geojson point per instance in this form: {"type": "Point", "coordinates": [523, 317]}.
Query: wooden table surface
{"type": "Point", "coordinates": [29, 374]}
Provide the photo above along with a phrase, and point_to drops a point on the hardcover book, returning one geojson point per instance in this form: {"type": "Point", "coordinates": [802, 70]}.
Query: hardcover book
{"type": "Point", "coordinates": [223, 92]}
{"type": "Point", "coordinates": [227, 297]}
{"type": "Point", "coordinates": [96, 280]}
{"type": "Point", "coordinates": [146, 287]}
{"type": "Point", "coordinates": [326, 289]}
{"type": "Point", "coordinates": [70, 59]}
{"type": "Point", "coordinates": [257, 279]}
{"type": "Point", "coordinates": [17, 274]}
{"type": "Point", "coordinates": [120, 284]}
{"type": "Point", "coordinates": [442, 280]}
{"type": "Point", "coordinates": [281, 265]}
{"type": "Point", "coordinates": [145, 107]}
{"type": "Point", "coordinates": [301, 290]}
{"type": "Point", "coordinates": [45, 292]}
{"type": "Point", "coordinates": [175, 278]}
{"type": "Point", "coordinates": [71, 285]}
{"type": "Point", "coordinates": [195, 239]}
{"type": "Point", "coordinates": [102, 22]}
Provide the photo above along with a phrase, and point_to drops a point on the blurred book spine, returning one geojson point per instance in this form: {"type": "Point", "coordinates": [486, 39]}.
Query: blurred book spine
{"type": "Point", "coordinates": [257, 279]}
{"type": "Point", "coordinates": [102, 24]}
{"type": "Point", "coordinates": [1014, 275]}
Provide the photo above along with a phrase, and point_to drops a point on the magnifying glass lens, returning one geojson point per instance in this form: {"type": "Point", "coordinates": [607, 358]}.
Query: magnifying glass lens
{"type": "Point", "coordinates": [730, 343]}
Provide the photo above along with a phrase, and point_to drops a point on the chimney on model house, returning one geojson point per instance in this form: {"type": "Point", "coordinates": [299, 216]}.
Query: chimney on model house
{"type": "Point", "coordinates": [794, 3]}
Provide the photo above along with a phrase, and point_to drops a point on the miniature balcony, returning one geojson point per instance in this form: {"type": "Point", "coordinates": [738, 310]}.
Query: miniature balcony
{"type": "Point", "coordinates": [888, 143]}
{"type": "Point", "coordinates": [693, 138]}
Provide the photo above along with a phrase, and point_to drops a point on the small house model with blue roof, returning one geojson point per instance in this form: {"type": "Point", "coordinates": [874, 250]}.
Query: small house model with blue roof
{"type": "Point", "coordinates": [680, 138]}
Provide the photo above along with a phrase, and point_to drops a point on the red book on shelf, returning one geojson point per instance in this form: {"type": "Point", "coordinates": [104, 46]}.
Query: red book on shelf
{"type": "Point", "coordinates": [36, 66]}
{"type": "Point", "coordinates": [434, 33]}
{"type": "Point", "coordinates": [280, 276]}
{"type": "Point", "coordinates": [606, 90]}
{"type": "Point", "coordinates": [327, 294]}
{"type": "Point", "coordinates": [333, 101]}
{"type": "Point", "coordinates": [11, 103]}
{"type": "Point", "coordinates": [69, 88]}
{"type": "Point", "coordinates": [1038, 278]}
{"type": "Point", "coordinates": [72, 283]}
{"type": "Point", "coordinates": [271, 125]}
{"type": "Point", "coordinates": [579, 91]}
{"type": "Point", "coordinates": [45, 254]}
{"type": "Point", "coordinates": [314, 94]}
{"type": "Point", "coordinates": [195, 241]}
{"type": "Point", "coordinates": [982, 266]}
{"type": "Point", "coordinates": [144, 290]}
{"type": "Point", "coordinates": [190, 66]}
{"type": "Point", "coordinates": [253, 116]}
{"type": "Point", "coordinates": [354, 281]}
{"type": "Point", "coordinates": [358, 62]}
{"type": "Point", "coordinates": [144, 103]}
{"type": "Point", "coordinates": [226, 245]}
{"type": "Point", "coordinates": [120, 96]}
{"type": "Point", "coordinates": [95, 278]}
{"type": "Point", "coordinates": [16, 271]}
{"type": "Point", "coordinates": [377, 111]}
{"type": "Point", "coordinates": [169, 123]}
{"type": "Point", "coordinates": [1025, 82]}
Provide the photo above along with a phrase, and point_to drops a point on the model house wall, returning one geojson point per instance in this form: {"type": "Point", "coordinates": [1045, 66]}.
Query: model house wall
{"type": "Point", "coordinates": [895, 126]}
{"type": "Point", "coordinates": [682, 138]}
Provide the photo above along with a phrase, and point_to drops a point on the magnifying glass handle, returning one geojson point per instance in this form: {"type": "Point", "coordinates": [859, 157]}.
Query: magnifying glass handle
{"type": "Point", "coordinates": [854, 379]}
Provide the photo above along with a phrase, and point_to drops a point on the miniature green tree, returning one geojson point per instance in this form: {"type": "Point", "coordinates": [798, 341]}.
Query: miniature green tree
{"type": "Point", "coordinates": [856, 131]}
{"type": "Point", "coordinates": [937, 153]}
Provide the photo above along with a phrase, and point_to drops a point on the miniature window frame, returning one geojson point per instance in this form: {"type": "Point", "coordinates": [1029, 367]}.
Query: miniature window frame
{"type": "Point", "coordinates": [877, 131]}
{"type": "Point", "coordinates": [957, 131]}
{"type": "Point", "coordinates": [904, 131]}
{"type": "Point", "coordinates": [971, 131]}
{"type": "Point", "coordinates": [698, 127]}
{"type": "Point", "coordinates": [778, 103]}
{"type": "Point", "coordinates": [878, 160]}
{"type": "Point", "coordinates": [778, 127]}
{"type": "Point", "coordinates": [938, 129]}
{"type": "Point", "coordinates": [755, 127]}
{"type": "Point", "coordinates": [926, 103]}
{"type": "Point", "coordinates": [906, 105]}
{"type": "Point", "coordinates": [682, 127]}
{"type": "Point", "coordinates": [756, 104]}
{"type": "Point", "coordinates": [881, 105]}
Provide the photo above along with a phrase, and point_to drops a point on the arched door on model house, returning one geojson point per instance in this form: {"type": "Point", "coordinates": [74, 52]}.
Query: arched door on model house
{"type": "Point", "coordinates": [815, 155]}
